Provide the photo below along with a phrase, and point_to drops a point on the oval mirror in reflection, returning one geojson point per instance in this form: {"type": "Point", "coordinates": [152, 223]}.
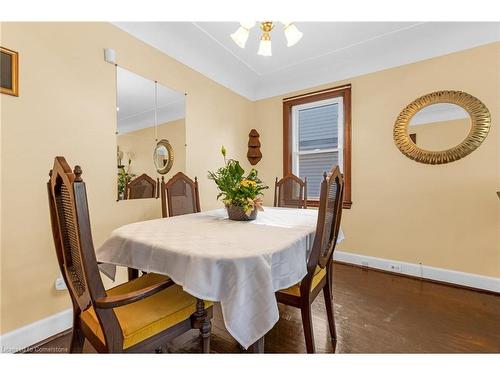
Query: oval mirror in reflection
{"type": "Point", "coordinates": [163, 156]}
{"type": "Point", "coordinates": [439, 127]}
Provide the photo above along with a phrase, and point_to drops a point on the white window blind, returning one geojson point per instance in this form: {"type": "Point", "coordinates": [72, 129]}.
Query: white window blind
{"type": "Point", "coordinates": [317, 141]}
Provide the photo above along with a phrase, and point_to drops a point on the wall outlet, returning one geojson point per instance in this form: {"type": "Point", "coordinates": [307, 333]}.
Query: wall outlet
{"type": "Point", "coordinates": [60, 284]}
{"type": "Point", "coordinates": [395, 267]}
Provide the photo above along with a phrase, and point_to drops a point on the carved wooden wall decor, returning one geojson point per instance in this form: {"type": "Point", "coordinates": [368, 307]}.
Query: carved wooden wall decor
{"type": "Point", "coordinates": [254, 155]}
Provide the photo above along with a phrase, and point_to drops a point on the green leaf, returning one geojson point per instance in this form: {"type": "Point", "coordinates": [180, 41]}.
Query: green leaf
{"type": "Point", "coordinates": [239, 169]}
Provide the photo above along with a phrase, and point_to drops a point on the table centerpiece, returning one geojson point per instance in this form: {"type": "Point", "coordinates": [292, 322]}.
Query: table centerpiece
{"type": "Point", "coordinates": [242, 195]}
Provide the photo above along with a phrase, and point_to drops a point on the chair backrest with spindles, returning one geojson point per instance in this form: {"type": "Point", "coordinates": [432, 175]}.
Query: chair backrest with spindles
{"type": "Point", "coordinates": [72, 235]}
{"type": "Point", "coordinates": [141, 187]}
{"type": "Point", "coordinates": [180, 196]}
{"type": "Point", "coordinates": [291, 192]}
{"type": "Point", "coordinates": [329, 216]}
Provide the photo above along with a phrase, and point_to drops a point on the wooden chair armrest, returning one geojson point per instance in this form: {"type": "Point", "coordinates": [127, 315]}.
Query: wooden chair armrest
{"type": "Point", "coordinates": [127, 298]}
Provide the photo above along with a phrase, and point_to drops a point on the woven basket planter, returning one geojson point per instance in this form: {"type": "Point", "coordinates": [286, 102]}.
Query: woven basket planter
{"type": "Point", "coordinates": [236, 213]}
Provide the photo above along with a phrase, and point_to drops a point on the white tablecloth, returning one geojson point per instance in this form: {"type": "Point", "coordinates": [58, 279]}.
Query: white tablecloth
{"type": "Point", "coordinates": [239, 264]}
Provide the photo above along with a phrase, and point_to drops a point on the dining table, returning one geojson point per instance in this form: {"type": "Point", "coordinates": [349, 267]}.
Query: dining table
{"type": "Point", "coordinates": [240, 264]}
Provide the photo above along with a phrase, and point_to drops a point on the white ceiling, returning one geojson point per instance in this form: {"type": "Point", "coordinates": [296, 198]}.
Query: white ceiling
{"type": "Point", "coordinates": [328, 51]}
{"type": "Point", "coordinates": [136, 102]}
{"type": "Point", "coordinates": [438, 113]}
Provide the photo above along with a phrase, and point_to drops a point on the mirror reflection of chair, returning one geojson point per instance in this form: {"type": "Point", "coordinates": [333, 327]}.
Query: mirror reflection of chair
{"type": "Point", "coordinates": [319, 263]}
{"type": "Point", "coordinates": [141, 187]}
{"type": "Point", "coordinates": [179, 196]}
{"type": "Point", "coordinates": [137, 316]}
{"type": "Point", "coordinates": [290, 192]}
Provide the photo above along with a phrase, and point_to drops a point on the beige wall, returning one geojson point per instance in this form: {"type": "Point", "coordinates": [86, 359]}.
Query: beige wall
{"type": "Point", "coordinates": [67, 107]}
{"type": "Point", "coordinates": [444, 216]}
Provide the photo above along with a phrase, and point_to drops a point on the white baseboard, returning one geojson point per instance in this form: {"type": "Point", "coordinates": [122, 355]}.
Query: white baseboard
{"type": "Point", "coordinates": [35, 332]}
{"type": "Point", "coordinates": [427, 272]}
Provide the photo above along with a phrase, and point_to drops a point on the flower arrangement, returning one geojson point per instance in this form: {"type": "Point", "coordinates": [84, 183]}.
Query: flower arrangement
{"type": "Point", "coordinates": [237, 190]}
{"type": "Point", "coordinates": [124, 176]}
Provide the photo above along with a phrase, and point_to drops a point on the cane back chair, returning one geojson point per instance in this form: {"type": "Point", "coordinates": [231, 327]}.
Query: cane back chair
{"type": "Point", "coordinates": [137, 316]}
{"type": "Point", "coordinates": [319, 263]}
{"type": "Point", "coordinates": [291, 192]}
{"type": "Point", "coordinates": [141, 187]}
{"type": "Point", "coordinates": [179, 196]}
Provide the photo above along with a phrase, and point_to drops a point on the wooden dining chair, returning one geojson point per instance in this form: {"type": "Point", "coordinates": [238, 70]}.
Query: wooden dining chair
{"type": "Point", "coordinates": [319, 263]}
{"type": "Point", "coordinates": [137, 316]}
{"type": "Point", "coordinates": [141, 187]}
{"type": "Point", "coordinates": [291, 192]}
{"type": "Point", "coordinates": [179, 196]}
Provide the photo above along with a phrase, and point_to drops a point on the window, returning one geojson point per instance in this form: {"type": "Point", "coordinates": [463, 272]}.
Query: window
{"type": "Point", "coordinates": [317, 136]}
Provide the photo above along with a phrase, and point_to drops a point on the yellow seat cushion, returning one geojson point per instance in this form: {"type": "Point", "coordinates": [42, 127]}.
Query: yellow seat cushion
{"type": "Point", "coordinates": [319, 273]}
{"type": "Point", "coordinates": [145, 318]}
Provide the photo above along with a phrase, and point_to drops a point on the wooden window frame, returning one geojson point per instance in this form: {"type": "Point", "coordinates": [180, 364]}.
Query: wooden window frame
{"type": "Point", "coordinates": [343, 91]}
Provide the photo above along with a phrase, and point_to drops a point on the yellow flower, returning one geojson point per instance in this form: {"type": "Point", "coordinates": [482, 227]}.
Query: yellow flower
{"type": "Point", "coordinates": [248, 183]}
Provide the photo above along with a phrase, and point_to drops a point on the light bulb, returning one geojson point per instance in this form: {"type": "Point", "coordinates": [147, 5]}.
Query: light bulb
{"type": "Point", "coordinates": [292, 34]}
{"type": "Point", "coordinates": [247, 24]}
{"type": "Point", "coordinates": [265, 47]}
{"type": "Point", "coordinates": [240, 36]}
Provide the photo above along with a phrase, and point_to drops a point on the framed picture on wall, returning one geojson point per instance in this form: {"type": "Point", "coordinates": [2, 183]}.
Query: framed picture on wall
{"type": "Point", "coordinates": [9, 73]}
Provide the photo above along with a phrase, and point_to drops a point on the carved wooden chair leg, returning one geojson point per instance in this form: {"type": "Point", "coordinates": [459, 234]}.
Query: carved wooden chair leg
{"type": "Point", "coordinates": [308, 327]}
{"type": "Point", "coordinates": [327, 294]}
{"type": "Point", "coordinates": [205, 331]}
{"type": "Point", "coordinates": [77, 340]}
{"type": "Point", "coordinates": [202, 322]}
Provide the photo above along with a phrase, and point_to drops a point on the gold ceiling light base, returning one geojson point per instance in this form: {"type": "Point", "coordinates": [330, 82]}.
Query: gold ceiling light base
{"type": "Point", "coordinates": [266, 27]}
{"type": "Point", "coordinates": [480, 120]}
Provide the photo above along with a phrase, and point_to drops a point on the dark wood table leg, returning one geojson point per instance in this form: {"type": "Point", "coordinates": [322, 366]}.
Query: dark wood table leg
{"type": "Point", "coordinates": [258, 346]}
{"type": "Point", "coordinates": [201, 320]}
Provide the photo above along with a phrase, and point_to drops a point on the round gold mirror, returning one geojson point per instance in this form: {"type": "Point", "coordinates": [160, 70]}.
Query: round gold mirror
{"type": "Point", "coordinates": [441, 127]}
{"type": "Point", "coordinates": [163, 156]}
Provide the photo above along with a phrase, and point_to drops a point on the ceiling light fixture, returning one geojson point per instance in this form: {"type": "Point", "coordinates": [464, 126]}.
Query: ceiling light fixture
{"type": "Point", "coordinates": [292, 34]}
{"type": "Point", "coordinates": [265, 40]}
{"type": "Point", "coordinates": [240, 36]}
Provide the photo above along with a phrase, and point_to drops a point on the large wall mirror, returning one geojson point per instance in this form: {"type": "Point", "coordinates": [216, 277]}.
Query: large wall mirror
{"type": "Point", "coordinates": [150, 129]}
{"type": "Point", "coordinates": [441, 127]}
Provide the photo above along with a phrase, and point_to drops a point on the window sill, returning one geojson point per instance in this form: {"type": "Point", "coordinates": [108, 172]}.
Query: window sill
{"type": "Point", "coordinates": [315, 203]}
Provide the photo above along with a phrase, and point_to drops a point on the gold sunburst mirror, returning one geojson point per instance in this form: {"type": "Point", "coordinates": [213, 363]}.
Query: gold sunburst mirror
{"type": "Point", "coordinates": [441, 127]}
{"type": "Point", "coordinates": [163, 156]}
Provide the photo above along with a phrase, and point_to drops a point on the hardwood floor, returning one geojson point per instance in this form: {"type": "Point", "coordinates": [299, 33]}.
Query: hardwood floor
{"type": "Point", "coordinates": [375, 312]}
